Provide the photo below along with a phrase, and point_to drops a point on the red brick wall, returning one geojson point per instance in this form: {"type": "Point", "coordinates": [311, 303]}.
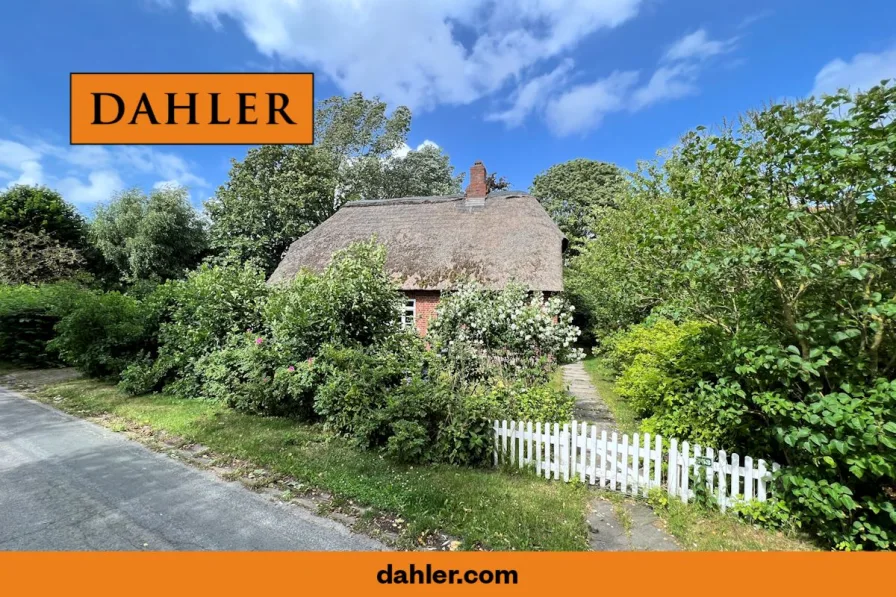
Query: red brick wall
{"type": "Point", "coordinates": [426, 307]}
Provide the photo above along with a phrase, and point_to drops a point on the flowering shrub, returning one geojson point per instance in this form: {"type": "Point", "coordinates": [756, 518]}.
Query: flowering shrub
{"type": "Point", "coordinates": [254, 375]}
{"type": "Point", "coordinates": [503, 333]}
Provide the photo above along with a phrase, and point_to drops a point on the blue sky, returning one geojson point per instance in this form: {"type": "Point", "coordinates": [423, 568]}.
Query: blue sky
{"type": "Point", "coordinates": [519, 84]}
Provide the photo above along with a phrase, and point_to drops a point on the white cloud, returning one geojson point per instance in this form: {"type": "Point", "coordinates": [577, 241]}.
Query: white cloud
{"type": "Point", "coordinates": [405, 149]}
{"type": "Point", "coordinates": [697, 46]}
{"type": "Point", "coordinates": [99, 186]}
{"type": "Point", "coordinates": [583, 107]}
{"type": "Point", "coordinates": [88, 174]}
{"type": "Point", "coordinates": [667, 83]}
{"type": "Point", "coordinates": [419, 53]}
{"type": "Point", "coordinates": [862, 72]}
{"type": "Point", "coordinates": [532, 95]}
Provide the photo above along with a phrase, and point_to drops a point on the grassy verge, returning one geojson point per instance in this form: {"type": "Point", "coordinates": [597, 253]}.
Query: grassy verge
{"type": "Point", "coordinates": [489, 509]}
{"type": "Point", "coordinates": [603, 381]}
{"type": "Point", "coordinates": [701, 529]}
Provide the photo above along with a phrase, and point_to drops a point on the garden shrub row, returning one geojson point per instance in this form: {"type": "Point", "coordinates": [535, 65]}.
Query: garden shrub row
{"type": "Point", "coordinates": [322, 348]}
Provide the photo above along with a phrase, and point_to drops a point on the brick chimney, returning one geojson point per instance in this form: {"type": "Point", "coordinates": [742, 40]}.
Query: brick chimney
{"type": "Point", "coordinates": [477, 188]}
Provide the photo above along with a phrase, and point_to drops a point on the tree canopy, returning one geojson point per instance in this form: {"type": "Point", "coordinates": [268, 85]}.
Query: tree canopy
{"type": "Point", "coordinates": [571, 192]}
{"type": "Point", "coordinates": [153, 237]}
{"type": "Point", "coordinates": [42, 211]}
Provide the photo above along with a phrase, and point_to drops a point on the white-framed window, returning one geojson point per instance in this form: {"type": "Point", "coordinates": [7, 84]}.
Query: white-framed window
{"type": "Point", "coordinates": [408, 317]}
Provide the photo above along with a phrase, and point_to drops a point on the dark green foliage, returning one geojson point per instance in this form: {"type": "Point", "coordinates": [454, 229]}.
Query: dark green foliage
{"type": "Point", "coordinates": [194, 318]}
{"type": "Point", "coordinates": [40, 210]}
{"type": "Point", "coordinates": [43, 238]}
{"type": "Point", "coordinates": [352, 302]}
{"type": "Point", "coordinates": [573, 193]}
{"type": "Point", "coordinates": [28, 315]}
{"type": "Point", "coordinates": [395, 398]}
{"type": "Point", "coordinates": [103, 333]}
{"type": "Point", "coordinates": [275, 195]}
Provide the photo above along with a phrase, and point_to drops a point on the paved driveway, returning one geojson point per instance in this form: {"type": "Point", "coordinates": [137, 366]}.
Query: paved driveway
{"type": "Point", "coordinates": [66, 484]}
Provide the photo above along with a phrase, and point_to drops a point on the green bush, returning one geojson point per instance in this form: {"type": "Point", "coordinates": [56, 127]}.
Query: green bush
{"type": "Point", "coordinates": [255, 375]}
{"type": "Point", "coordinates": [520, 402]}
{"type": "Point", "coordinates": [397, 398]}
{"type": "Point", "coordinates": [353, 302]}
{"type": "Point", "coordinates": [103, 333]}
{"type": "Point", "coordinates": [669, 374]}
{"type": "Point", "coordinates": [28, 315]}
{"type": "Point", "coordinates": [195, 317]}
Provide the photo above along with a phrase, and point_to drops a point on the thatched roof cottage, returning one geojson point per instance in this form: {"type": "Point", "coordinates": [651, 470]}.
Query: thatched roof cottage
{"type": "Point", "coordinates": [433, 242]}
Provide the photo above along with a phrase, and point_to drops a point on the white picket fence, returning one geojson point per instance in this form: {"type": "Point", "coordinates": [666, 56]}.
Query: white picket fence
{"type": "Point", "coordinates": [629, 465]}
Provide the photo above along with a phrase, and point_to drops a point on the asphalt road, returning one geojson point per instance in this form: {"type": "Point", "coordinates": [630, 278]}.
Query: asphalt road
{"type": "Point", "coordinates": [66, 484]}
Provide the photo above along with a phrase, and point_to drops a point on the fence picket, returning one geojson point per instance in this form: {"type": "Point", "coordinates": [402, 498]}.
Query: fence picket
{"type": "Point", "coordinates": [583, 447]}
{"type": "Point", "coordinates": [593, 461]}
{"type": "Point", "coordinates": [555, 446]}
{"type": "Point", "coordinates": [613, 460]}
{"type": "Point", "coordinates": [685, 471]}
{"type": "Point", "coordinates": [658, 462]}
{"type": "Point", "coordinates": [624, 465]}
{"type": "Point", "coordinates": [603, 458]}
{"type": "Point", "coordinates": [760, 490]}
{"type": "Point", "coordinates": [710, 470]}
{"type": "Point", "coordinates": [673, 482]}
{"type": "Point", "coordinates": [636, 452]}
{"type": "Point", "coordinates": [723, 469]}
{"type": "Point", "coordinates": [735, 476]}
{"type": "Point", "coordinates": [748, 478]}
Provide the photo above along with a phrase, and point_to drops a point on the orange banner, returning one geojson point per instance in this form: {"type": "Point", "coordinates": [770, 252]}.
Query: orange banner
{"type": "Point", "coordinates": [192, 108]}
{"type": "Point", "coordinates": [474, 573]}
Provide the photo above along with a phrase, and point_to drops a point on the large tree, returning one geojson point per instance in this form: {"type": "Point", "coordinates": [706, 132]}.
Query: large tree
{"type": "Point", "coordinates": [42, 237]}
{"type": "Point", "coordinates": [274, 196]}
{"type": "Point", "coordinates": [152, 237]}
{"type": "Point", "coordinates": [571, 191]}
{"type": "Point", "coordinates": [424, 172]}
{"type": "Point", "coordinates": [42, 211]}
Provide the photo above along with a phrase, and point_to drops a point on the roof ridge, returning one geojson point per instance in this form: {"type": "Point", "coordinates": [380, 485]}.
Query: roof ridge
{"type": "Point", "coordinates": [403, 200]}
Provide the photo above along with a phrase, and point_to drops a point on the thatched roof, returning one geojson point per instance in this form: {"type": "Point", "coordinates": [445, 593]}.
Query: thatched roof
{"type": "Point", "coordinates": [432, 242]}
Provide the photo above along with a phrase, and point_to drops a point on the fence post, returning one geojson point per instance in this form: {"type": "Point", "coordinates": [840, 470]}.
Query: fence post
{"type": "Point", "coordinates": [685, 472]}
{"type": "Point", "coordinates": [658, 462]}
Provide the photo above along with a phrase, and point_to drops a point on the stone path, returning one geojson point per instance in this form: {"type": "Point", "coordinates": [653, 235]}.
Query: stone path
{"type": "Point", "coordinates": [589, 405]}
{"type": "Point", "coordinates": [626, 526]}
{"type": "Point", "coordinates": [623, 524]}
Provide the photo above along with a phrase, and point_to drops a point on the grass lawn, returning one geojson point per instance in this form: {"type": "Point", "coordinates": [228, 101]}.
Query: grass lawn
{"type": "Point", "coordinates": [492, 509]}
{"type": "Point", "coordinates": [603, 381]}
{"type": "Point", "coordinates": [700, 529]}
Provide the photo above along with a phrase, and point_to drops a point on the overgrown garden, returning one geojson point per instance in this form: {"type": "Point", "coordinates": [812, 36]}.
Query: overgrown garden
{"type": "Point", "coordinates": [741, 289]}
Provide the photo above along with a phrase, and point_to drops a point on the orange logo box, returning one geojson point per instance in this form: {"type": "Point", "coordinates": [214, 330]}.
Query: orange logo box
{"type": "Point", "coordinates": [192, 108]}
